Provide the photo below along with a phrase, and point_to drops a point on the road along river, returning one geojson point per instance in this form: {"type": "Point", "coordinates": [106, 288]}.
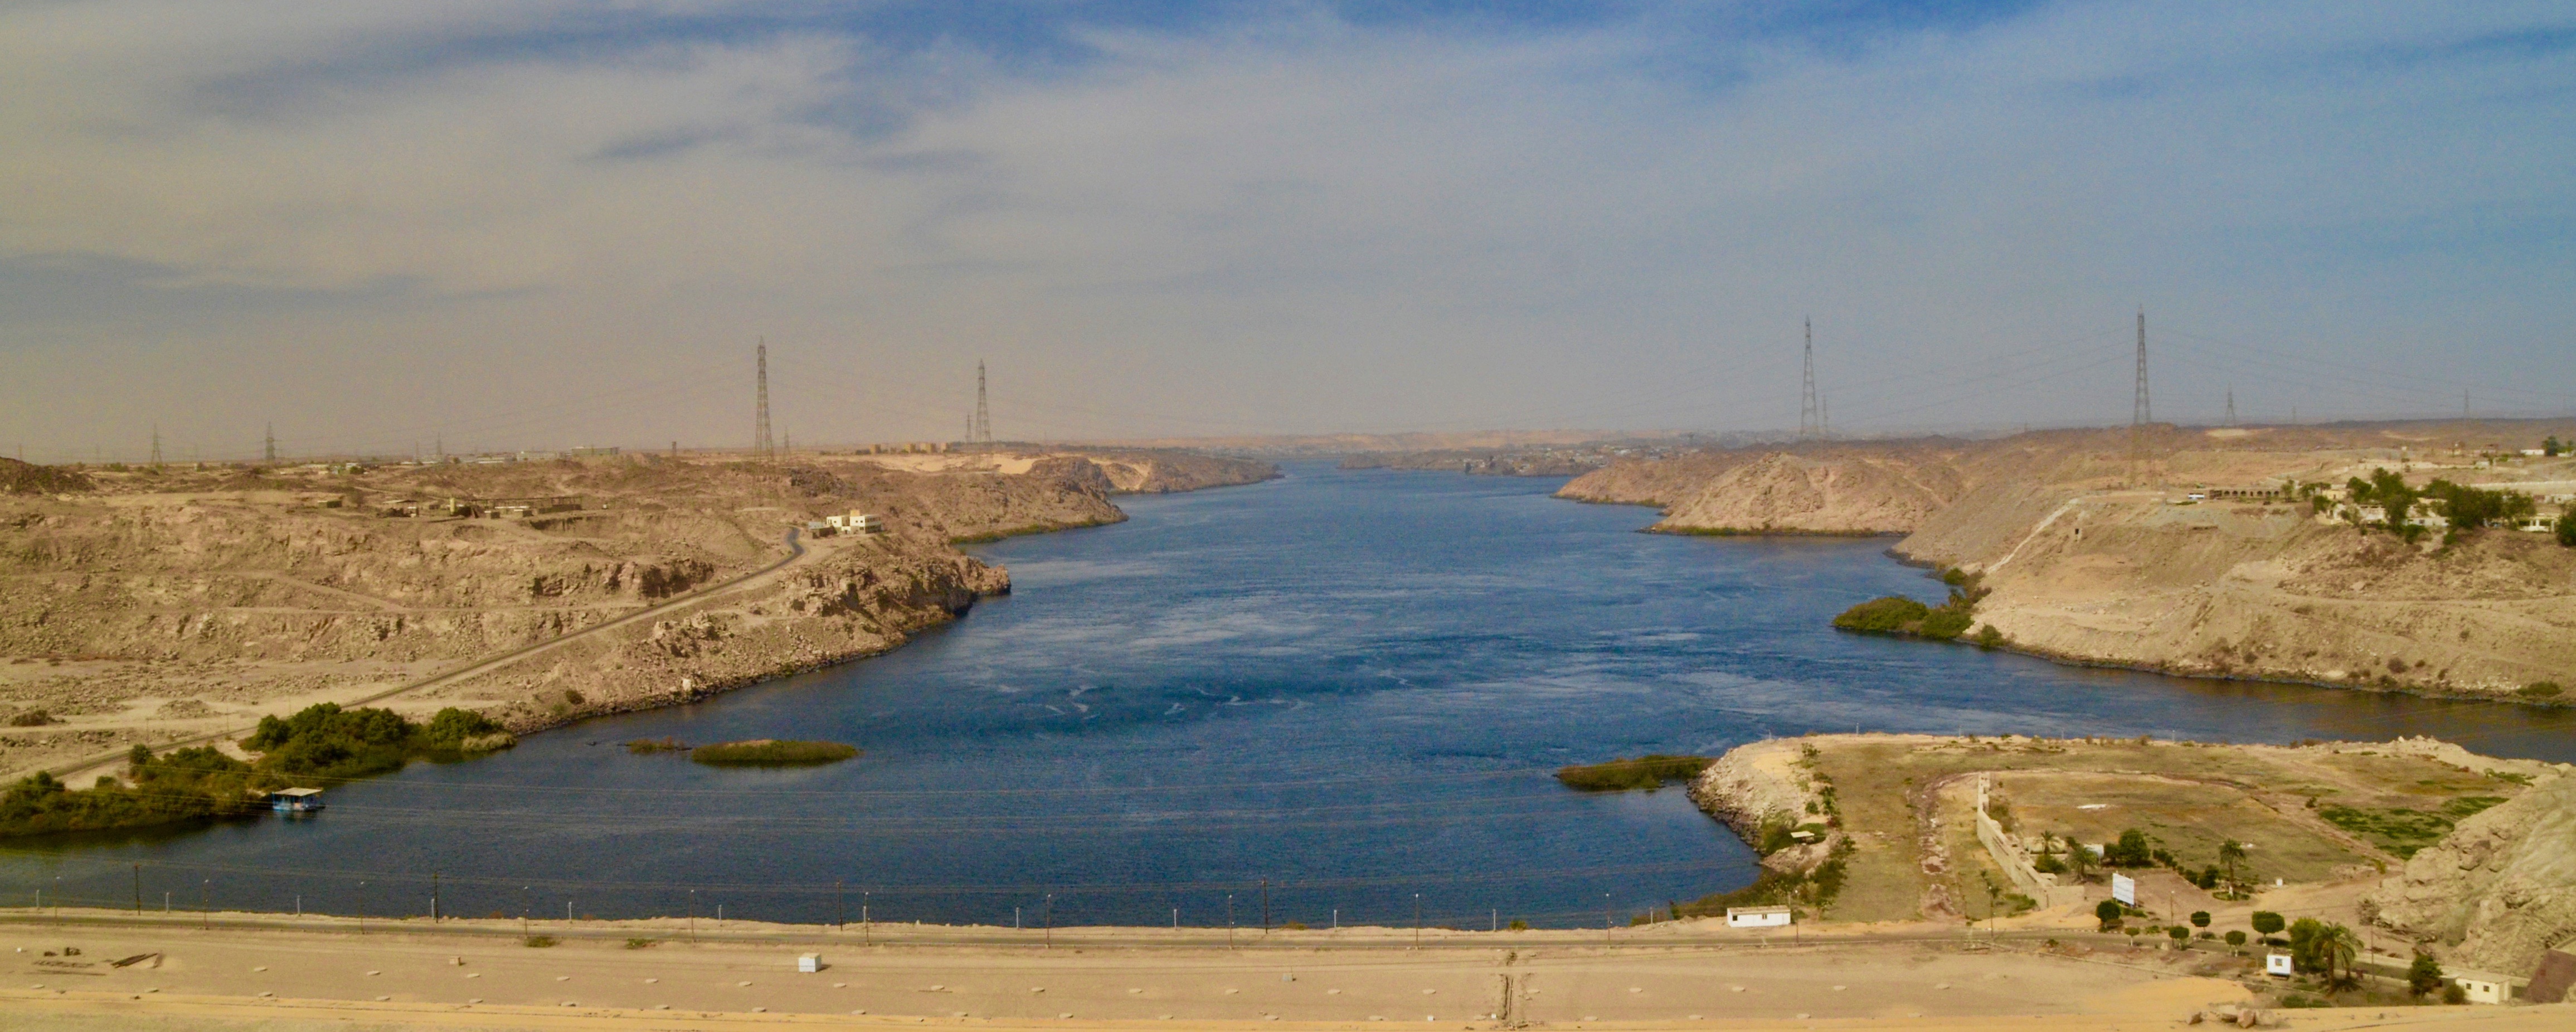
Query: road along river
{"type": "Point", "coordinates": [1332, 697]}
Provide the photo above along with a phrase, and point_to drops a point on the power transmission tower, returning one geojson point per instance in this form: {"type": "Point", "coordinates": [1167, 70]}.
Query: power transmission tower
{"type": "Point", "coordinates": [156, 446]}
{"type": "Point", "coordinates": [2231, 405]}
{"type": "Point", "coordinates": [760, 446]}
{"type": "Point", "coordinates": [982, 432]}
{"type": "Point", "coordinates": [269, 453]}
{"type": "Point", "coordinates": [1811, 417]}
{"type": "Point", "coordinates": [2141, 414]}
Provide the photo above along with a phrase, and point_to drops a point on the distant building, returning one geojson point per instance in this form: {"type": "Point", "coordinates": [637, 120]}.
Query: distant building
{"type": "Point", "coordinates": [856, 522]}
{"type": "Point", "coordinates": [1758, 917]}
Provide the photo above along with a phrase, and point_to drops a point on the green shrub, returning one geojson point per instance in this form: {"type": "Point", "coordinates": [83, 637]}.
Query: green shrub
{"type": "Point", "coordinates": [1945, 623]}
{"type": "Point", "coordinates": [2539, 690]}
{"type": "Point", "coordinates": [2108, 912]}
{"type": "Point", "coordinates": [2455, 993]}
{"type": "Point", "coordinates": [642, 944]}
{"type": "Point", "coordinates": [2178, 934]}
{"type": "Point", "coordinates": [2268, 923]}
{"type": "Point", "coordinates": [2130, 851]}
{"type": "Point", "coordinates": [1989, 638]}
{"type": "Point", "coordinates": [2200, 919]}
{"type": "Point", "coordinates": [768, 752]}
{"type": "Point", "coordinates": [1882, 615]}
{"type": "Point", "coordinates": [2424, 975]}
{"type": "Point", "coordinates": [1648, 772]}
{"type": "Point", "coordinates": [539, 941]}
{"type": "Point", "coordinates": [2236, 937]}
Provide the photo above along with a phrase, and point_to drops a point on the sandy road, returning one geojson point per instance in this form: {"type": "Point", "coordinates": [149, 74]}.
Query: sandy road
{"type": "Point", "coordinates": [415, 978]}
{"type": "Point", "coordinates": [112, 762]}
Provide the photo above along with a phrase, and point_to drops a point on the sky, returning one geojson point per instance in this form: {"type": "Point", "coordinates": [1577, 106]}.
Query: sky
{"type": "Point", "coordinates": [381, 227]}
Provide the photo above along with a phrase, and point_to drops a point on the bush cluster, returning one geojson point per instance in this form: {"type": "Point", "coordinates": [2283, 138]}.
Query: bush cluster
{"type": "Point", "coordinates": [1905, 617]}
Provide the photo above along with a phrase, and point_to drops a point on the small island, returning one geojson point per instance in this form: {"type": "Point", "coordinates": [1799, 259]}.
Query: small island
{"type": "Point", "coordinates": [771, 752]}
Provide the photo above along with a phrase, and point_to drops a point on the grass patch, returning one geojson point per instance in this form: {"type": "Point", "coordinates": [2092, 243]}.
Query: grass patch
{"type": "Point", "coordinates": [2404, 831]}
{"type": "Point", "coordinates": [538, 942]}
{"type": "Point", "coordinates": [649, 746]}
{"type": "Point", "coordinates": [642, 944]}
{"type": "Point", "coordinates": [769, 752]}
{"type": "Point", "coordinates": [1648, 772]}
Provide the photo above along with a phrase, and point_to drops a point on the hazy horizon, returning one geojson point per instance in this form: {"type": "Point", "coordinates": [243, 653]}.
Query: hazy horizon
{"type": "Point", "coordinates": [539, 225]}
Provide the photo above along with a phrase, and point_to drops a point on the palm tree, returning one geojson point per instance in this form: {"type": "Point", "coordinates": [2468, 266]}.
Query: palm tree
{"type": "Point", "coordinates": [2231, 854]}
{"type": "Point", "coordinates": [2339, 948]}
{"type": "Point", "coordinates": [2078, 859]}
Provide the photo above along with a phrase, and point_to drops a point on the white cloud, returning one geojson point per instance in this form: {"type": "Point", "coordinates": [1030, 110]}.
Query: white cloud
{"type": "Point", "coordinates": [1290, 224]}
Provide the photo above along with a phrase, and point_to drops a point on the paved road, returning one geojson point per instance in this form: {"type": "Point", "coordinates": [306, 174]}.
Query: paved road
{"type": "Point", "coordinates": [108, 762]}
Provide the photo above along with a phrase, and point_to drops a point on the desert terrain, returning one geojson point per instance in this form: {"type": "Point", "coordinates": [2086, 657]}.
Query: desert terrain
{"type": "Point", "coordinates": [2418, 845]}
{"type": "Point", "coordinates": [177, 606]}
{"type": "Point", "coordinates": [2176, 550]}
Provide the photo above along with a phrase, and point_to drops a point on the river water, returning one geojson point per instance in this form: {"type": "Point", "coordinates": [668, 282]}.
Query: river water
{"type": "Point", "coordinates": [1348, 685]}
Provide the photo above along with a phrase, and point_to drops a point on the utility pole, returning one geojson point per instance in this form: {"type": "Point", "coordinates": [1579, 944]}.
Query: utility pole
{"type": "Point", "coordinates": [760, 448]}
{"type": "Point", "coordinates": [2231, 405]}
{"type": "Point", "coordinates": [269, 454]}
{"type": "Point", "coordinates": [982, 429]}
{"type": "Point", "coordinates": [1810, 414]}
{"type": "Point", "coordinates": [156, 446]}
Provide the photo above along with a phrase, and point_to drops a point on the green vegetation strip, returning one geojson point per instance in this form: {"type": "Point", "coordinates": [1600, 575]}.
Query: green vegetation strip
{"type": "Point", "coordinates": [1647, 772]}
{"type": "Point", "coordinates": [772, 753]}
{"type": "Point", "coordinates": [321, 745]}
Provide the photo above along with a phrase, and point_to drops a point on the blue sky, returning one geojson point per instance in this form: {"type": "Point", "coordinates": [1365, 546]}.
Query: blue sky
{"type": "Point", "coordinates": [538, 224]}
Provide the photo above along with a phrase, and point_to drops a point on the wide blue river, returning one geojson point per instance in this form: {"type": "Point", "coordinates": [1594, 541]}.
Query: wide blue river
{"type": "Point", "coordinates": [1348, 686]}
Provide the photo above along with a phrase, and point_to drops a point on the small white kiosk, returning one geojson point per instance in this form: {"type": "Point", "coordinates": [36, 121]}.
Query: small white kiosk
{"type": "Point", "coordinates": [1758, 917]}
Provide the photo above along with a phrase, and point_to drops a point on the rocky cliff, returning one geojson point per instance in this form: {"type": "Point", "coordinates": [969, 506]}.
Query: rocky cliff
{"type": "Point", "coordinates": [2094, 549]}
{"type": "Point", "coordinates": [158, 604]}
{"type": "Point", "coordinates": [2499, 891]}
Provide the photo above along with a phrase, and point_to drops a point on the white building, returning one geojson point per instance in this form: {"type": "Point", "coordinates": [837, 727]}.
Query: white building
{"type": "Point", "coordinates": [2482, 989]}
{"type": "Point", "coordinates": [2278, 964]}
{"type": "Point", "coordinates": [1758, 917]}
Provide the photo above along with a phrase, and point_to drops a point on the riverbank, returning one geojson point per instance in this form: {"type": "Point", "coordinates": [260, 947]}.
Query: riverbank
{"type": "Point", "coordinates": [2180, 551]}
{"type": "Point", "coordinates": [332, 601]}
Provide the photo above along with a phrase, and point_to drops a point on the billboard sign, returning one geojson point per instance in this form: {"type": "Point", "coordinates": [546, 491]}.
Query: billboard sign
{"type": "Point", "coordinates": [2124, 889]}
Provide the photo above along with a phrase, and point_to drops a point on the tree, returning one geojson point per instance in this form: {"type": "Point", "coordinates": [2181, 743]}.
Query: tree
{"type": "Point", "coordinates": [2424, 975]}
{"type": "Point", "coordinates": [2567, 530]}
{"type": "Point", "coordinates": [2231, 855]}
{"type": "Point", "coordinates": [2109, 913]}
{"type": "Point", "coordinates": [2236, 937]}
{"type": "Point", "coordinates": [2267, 923]}
{"type": "Point", "coordinates": [2131, 850]}
{"type": "Point", "coordinates": [2178, 934]}
{"type": "Point", "coordinates": [2200, 919]}
{"type": "Point", "coordinates": [2079, 860]}
{"type": "Point", "coordinates": [2337, 950]}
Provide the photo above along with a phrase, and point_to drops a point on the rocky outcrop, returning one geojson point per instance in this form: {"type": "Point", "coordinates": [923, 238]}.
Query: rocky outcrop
{"type": "Point", "coordinates": [1763, 783]}
{"type": "Point", "coordinates": [28, 478]}
{"type": "Point", "coordinates": [2499, 891]}
{"type": "Point", "coordinates": [1838, 494]}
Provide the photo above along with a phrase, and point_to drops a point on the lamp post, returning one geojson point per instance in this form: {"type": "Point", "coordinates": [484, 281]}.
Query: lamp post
{"type": "Point", "coordinates": [1417, 920]}
{"type": "Point", "coordinates": [362, 908]}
